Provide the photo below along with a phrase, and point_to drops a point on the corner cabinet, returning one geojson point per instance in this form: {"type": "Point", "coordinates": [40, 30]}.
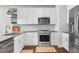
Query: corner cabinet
{"type": "Point", "coordinates": [31, 38]}
{"type": "Point", "coordinates": [65, 41]}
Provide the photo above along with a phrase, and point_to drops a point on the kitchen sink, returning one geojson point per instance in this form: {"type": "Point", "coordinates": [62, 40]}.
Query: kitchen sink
{"type": "Point", "coordinates": [10, 34]}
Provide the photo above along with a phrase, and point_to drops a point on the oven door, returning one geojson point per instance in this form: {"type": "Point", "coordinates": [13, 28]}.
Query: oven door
{"type": "Point", "coordinates": [44, 38]}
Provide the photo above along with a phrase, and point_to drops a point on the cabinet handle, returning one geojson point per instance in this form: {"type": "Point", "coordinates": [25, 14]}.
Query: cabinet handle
{"type": "Point", "coordinates": [66, 38]}
{"type": "Point", "coordinates": [19, 41]}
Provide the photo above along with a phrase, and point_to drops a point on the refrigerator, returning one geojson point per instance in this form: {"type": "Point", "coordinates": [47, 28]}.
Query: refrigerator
{"type": "Point", "coordinates": [74, 29]}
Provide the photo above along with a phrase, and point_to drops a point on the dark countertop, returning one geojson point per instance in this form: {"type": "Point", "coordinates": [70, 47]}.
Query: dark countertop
{"type": "Point", "coordinates": [29, 31]}
{"type": "Point", "coordinates": [5, 37]}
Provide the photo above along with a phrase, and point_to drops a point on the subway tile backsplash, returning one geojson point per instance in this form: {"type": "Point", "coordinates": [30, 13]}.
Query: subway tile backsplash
{"type": "Point", "coordinates": [37, 27]}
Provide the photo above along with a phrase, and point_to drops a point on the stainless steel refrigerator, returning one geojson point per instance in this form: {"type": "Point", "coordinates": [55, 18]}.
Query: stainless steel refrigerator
{"type": "Point", "coordinates": [74, 29]}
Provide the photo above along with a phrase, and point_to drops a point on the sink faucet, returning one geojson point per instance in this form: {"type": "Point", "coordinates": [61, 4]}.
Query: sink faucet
{"type": "Point", "coordinates": [6, 27]}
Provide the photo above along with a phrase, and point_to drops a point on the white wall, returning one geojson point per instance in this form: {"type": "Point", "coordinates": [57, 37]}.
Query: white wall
{"type": "Point", "coordinates": [57, 22]}
{"type": "Point", "coordinates": [61, 24]}
{"type": "Point", "coordinates": [4, 20]}
{"type": "Point", "coordinates": [63, 18]}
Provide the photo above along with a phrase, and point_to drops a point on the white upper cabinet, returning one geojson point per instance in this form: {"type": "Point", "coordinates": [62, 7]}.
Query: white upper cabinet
{"type": "Point", "coordinates": [30, 15]}
{"type": "Point", "coordinates": [26, 16]}
{"type": "Point", "coordinates": [53, 15]}
{"type": "Point", "coordinates": [48, 12]}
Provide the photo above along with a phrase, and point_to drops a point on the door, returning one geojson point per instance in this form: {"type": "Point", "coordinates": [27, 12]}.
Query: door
{"type": "Point", "coordinates": [27, 15]}
{"type": "Point", "coordinates": [44, 38]}
{"type": "Point", "coordinates": [65, 41]}
{"type": "Point", "coordinates": [28, 40]}
{"type": "Point", "coordinates": [77, 23]}
{"type": "Point", "coordinates": [31, 38]}
{"type": "Point", "coordinates": [34, 38]}
{"type": "Point", "coordinates": [16, 45]}
{"type": "Point", "coordinates": [76, 42]}
{"type": "Point", "coordinates": [21, 41]}
{"type": "Point", "coordinates": [76, 16]}
{"type": "Point", "coordinates": [54, 38]}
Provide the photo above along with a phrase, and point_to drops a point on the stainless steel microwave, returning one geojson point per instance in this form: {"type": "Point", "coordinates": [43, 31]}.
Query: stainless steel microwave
{"type": "Point", "coordinates": [43, 20]}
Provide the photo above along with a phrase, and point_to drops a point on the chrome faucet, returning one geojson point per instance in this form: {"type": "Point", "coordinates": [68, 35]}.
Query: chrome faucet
{"type": "Point", "coordinates": [7, 26]}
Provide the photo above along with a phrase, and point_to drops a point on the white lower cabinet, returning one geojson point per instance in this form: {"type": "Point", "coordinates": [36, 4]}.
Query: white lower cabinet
{"type": "Point", "coordinates": [26, 39]}
{"type": "Point", "coordinates": [65, 41]}
{"type": "Point", "coordinates": [18, 43]}
{"type": "Point", "coordinates": [31, 38]}
{"type": "Point", "coordinates": [54, 38]}
{"type": "Point", "coordinates": [21, 41]}
{"type": "Point", "coordinates": [60, 40]}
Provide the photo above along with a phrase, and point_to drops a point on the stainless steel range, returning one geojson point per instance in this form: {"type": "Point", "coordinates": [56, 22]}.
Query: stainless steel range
{"type": "Point", "coordinates": [44, 36]}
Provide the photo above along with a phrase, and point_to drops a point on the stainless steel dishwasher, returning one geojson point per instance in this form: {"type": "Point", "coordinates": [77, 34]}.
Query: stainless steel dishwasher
{"type": "Point", "coordinates": [7, 46]}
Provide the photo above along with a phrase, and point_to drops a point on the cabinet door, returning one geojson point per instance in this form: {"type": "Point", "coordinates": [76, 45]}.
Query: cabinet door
{"type": "Point", "coordinates": [65, 41]}
{"type": "Point", "coordinates": [31, 39]}
{"type": "Point", "coordinates": [44, 12]}
{"type": "Point", "coordinates": [54, 38]}
{"type": "Point", "coordinates": [16, 44]}
{"type": "Point", "coordinates": [60, 40]}
{"type": "Point", "coordinates": [34, 38]}
{"type": "Point", "coordinates": [21, 43]}
{"type": "Point", "coordinates": [52, 13]}
{"type": "Point", "coordinates": [27, 16]}
{"type": "Point", "coordinates": [30, 15]}
{"type": "Point", "coordinates": [28, 40]}
{"type": "Point", "coordinates": [48, 12]}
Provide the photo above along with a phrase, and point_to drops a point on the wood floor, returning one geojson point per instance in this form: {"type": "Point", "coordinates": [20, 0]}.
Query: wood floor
{"type": "Point", "coordinates": [51, 49]}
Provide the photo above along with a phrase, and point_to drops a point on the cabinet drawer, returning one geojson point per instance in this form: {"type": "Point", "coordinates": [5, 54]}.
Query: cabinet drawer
{"type": "Point", "coordinates": [54, 40]}
{"type": "Point", "coordinates": [54, 43]}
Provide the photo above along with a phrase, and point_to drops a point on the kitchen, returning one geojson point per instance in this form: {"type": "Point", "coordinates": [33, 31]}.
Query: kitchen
{"type": "Point", "coordinates": [35, 28]}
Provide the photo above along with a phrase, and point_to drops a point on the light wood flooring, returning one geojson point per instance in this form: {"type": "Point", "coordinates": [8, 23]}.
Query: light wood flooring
{"type": "Point", "coordinates": [42, 49]}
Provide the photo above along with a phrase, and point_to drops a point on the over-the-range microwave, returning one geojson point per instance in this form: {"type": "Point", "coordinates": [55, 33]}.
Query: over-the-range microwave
{"type": "Point", "coordinates": [43, 20]}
